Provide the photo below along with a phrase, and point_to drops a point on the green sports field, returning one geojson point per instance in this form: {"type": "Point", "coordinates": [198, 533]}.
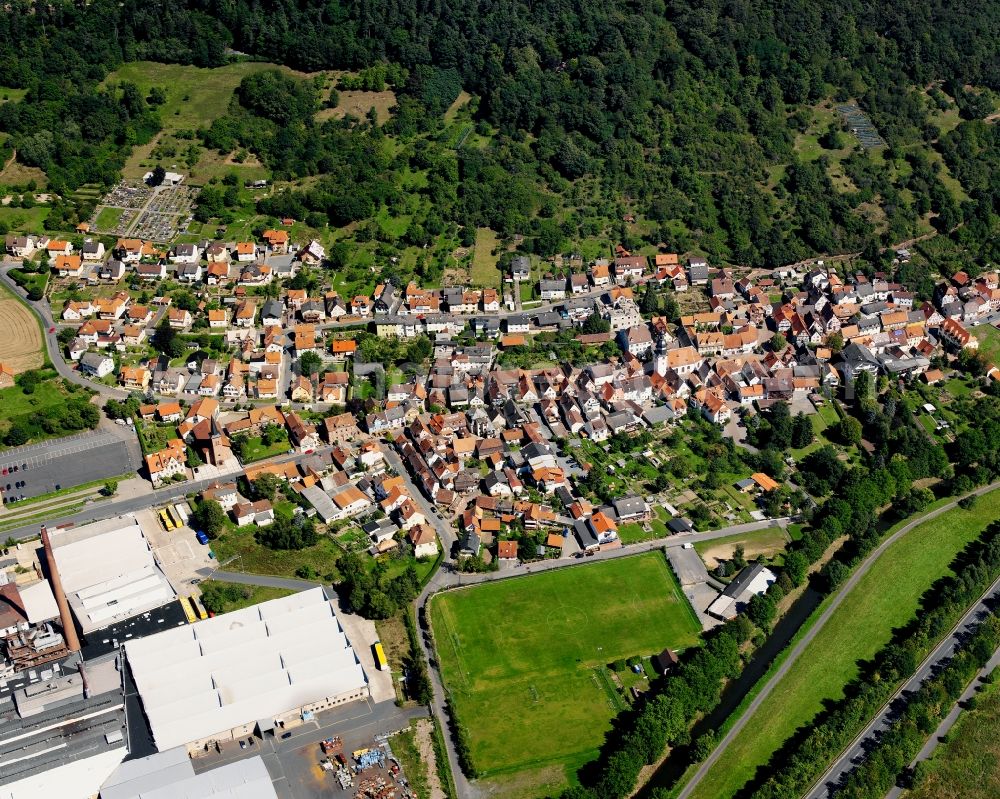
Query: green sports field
{"type": "Point", "coordinates": [524, 658]}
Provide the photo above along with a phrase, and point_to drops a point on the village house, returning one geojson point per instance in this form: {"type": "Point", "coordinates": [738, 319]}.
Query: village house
{"type": "Point", "coordinates": [68, 265]}
{"type": "Point", "coordinates": [56, 247]}
{"type": "Point", "coordinates": [20, 246]}
{"type": "Point", "coordinates": [134, 378]}
{"type": "Point", "coordinates": [179, 319]}
{"type": "Point", "coordinates": [93, 364]}
{"type": "Point", "coordinates": [424, 541]}
{"type": "Point", "coordinates": [218, 319]}
{"type": "Point", "coordinates": [167, 463]}
{"type": "Point", "coordinates": [92, 250]}
{"type": "Point", "coordinates": [277, 240]}
{"type": "Point", "coordinates": [77, 310]}
{"type": "Point", "coordinates": [260, 513]}
{"type": "Point", "coordinates": [340, 428]}
{"type": "Point", "coordinates": [342, 349]}
{"type": "Point", "coordinates": [168, 411]}
{"type": "Point", "coordinates": [185, 254]}
{"type": "Point", "coordinates": [246, 312]}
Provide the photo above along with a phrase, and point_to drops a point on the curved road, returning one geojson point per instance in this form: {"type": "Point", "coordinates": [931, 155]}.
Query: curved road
{"type": "Point", "coordinates": [44, 313]}
{"type": "Point", "coordinates": [800, 647]}
{"type": "Point", "coordinates": [855, 753]}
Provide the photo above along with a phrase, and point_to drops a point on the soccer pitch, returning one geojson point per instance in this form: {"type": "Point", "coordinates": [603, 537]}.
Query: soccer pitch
{"type": "Point", "coordinates": [522, 658]}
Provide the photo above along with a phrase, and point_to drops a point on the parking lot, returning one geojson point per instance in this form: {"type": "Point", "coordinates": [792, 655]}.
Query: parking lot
{"type": "Point", "coordinates": [180, 555]}
{"type": "Point", "coordinates": [695, 582]}
{"type": "Point", "coordinates": [39, 469]}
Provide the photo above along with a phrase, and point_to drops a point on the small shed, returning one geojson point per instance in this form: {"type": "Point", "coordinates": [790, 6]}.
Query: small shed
{"type": "Point", "coordinates": [664, 662]}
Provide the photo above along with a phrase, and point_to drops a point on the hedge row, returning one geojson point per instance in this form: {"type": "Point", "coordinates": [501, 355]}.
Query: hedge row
{"type": "Point", "coordinates": [923, 713]}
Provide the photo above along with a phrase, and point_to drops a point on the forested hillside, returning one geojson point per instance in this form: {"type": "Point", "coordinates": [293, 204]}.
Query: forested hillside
{"type": "Point", "coordinates": [696, 117]}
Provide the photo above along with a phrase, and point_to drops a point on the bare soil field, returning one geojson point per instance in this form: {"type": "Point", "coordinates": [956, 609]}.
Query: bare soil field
{"type": "Point", "coordinates": [20, 338]}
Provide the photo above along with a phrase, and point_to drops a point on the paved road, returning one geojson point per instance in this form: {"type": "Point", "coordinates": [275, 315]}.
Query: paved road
{"type": "Point", "coordinates": [160, 495]}
{"type": "Point", "coordinates": [800, 647]}
{"type": "Point", "coordinates": [288, 583]}
{"type": "Point", "coordinates": [949, 721]}
{"type": "Point", "coordinates": [444, 530]}
{"type": "Point", "coordinates": [41, 308]}
{"type": "Point", "coordinates": [855, 753]}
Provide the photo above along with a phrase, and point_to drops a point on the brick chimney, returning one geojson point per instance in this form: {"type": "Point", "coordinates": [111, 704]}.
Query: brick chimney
{"type": "Point", "coordinates": [68, 627]}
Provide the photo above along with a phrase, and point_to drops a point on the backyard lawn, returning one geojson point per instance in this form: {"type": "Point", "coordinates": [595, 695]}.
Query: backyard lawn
{"type": "Point", "coordinates": [257, 450]}
{"type": "Point", "coordinates": [989, 342]}
{"type": "Point", "coordinates": [484, 263]}
{"type": "Point", "coordinates": [885, 598]}
{"type": "Point", "coordinates": [524, 659]}
{"type": "Point", "coordinates": [633, 532]}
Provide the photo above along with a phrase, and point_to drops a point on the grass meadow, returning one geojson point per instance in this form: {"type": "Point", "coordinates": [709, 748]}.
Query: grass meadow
{"type": "Point", "coordinates": [484, 272]}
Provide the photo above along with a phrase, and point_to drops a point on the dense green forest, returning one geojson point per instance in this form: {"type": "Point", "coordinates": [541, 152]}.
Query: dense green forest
{"type": "Point", "coordinates": [689, 115]}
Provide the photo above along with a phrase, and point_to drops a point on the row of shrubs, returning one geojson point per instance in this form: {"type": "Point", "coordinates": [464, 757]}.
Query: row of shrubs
{"type": "Point", "coordinates": [930, 703]}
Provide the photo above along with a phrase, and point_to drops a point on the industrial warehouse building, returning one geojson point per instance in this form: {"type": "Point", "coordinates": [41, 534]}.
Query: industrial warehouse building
{"type": "Point", "coordinates": [245, 671]}
{"type": "Point", "coordinates": [108, 572]}
{"type": "Point", "coordinates": [170, 775]}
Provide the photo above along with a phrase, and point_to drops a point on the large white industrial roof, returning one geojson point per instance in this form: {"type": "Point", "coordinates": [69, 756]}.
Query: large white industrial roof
{"type": "Point", "coordinates": [204, 679]}
{"type": "Point", "coordinates": [170, 775]}
{"type": "Point", "coordinates": [108, 572]}
{"type": "Point", "coordinates": [74, 779]}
